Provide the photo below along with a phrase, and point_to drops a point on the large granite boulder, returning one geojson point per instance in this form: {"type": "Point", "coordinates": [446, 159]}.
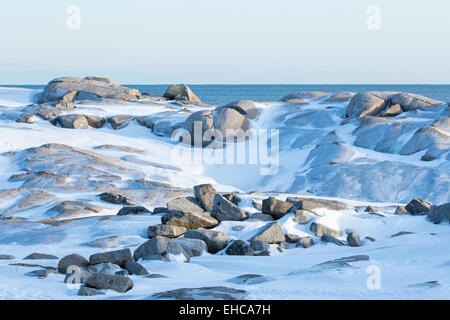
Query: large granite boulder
{"type": "Point", "coordinates": [205, 194]}
{"type": "Point", "coordinates": [271, 233]}
{"type": "Point", "coordinates": [119, 257]}
{"type": "Point", "coordinates": [189, 220]}
{"type": "Point", "coordinates": [410, 101]}
{"type": "Point", "coordinates": [196, 125]}
{"type": "Point", "coordinates": [225, 210]}
{"type": "Point", "coordinates": [247, 108]}
{"type": "Point", "coordinates": [276, 208]}
{"type": "Point", "coordinates": [366, 104]}
{"type": "Point", "coordinates": [68, 88]}
{"type": "Point", "coordinates": [180, 92]}
{"type": "Point", "coordinates": [228, 121]}
{"type": "Point", "coordinates": [160, 248]}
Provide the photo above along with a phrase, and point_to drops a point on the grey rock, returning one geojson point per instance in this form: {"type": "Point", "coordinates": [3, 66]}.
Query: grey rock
{"type": "Point", "coordinates": [184, 205]}
{"type": "Point", "coordinates": [305, 242]}
{"type": "Point", "coordinates": [303, 216]}
{"type": "Point", "coordinates": [225, 210]}
{"type": "Point", "coordinates": [215, 240]}
{"type": "Point", "coordinates": [205, 194]}
{"type": "Point", "coordinates": [410, 101]}
{"type": "Point", "coordinates": [120, 121]}
{"type": "Point", "coordinates": [249, 279]}
{"type": "Point", "coordinates": [232, 197]}
{"type": "Point", "coordinates": [418, 206]}
{"type": "Point", "coordinates": [229, 123]}
{"type": "Point", "coordinates": [309, 95]}
{"type": "Point", "coordinates": [354, 240]}
{"type": "Point", "coordinates": [116, 198]}
{"type": "Point", "coordinates": [89, 292]}
{"type": "Point", "coordinates": [160, 248]}
{"type": "Point", "coordinates": [320, 230]}
{"type": "Point", "coordinates": [40, 256]}
{"type": "Point", "coordinates": [341, 96]}
{"type": "Point", "coordinates": [311, 204]}
{"type": "Point", "coordinates": [331, 239]}
{"type": "Point", "coordinates": [180, 92]}
{"type": "Point", "coordinates": [165, 230]}
{"type": "Point", "coordinates": [205, 293]}
{"type": "Point", "coordinates": [41, 273]}
{"type": "Point", "coordinates": [292, 238]}
{"type": "Point", "coordinates": [193, 247]}
{"type": "Point", "coordinates": [196, 125]}
{"type": "Point", "coordinates": [392, 111]}
{"type": "Point", "coordinates": [119, 257]}
{"type": "Point", "coordinates": [257, 205]}
{"type": "Point", "coordinates": [276, 208]}
{"type": "Point", "coordinates": [132, 211]}
{"type": "Point", "coordinates": [401, 233]}
{"type": "Point", "coordinates": [72, 260]}
{"type": "Point", "coordinates": [135, 268]}
{"type": "Point", "coordinates": [247, 108]}
{"type": "Point", "coordinates": [366, 104]}
{"type": "Point", "coordinates": [371, 239]}
{"type": "Point", "coordinates": [104, 281]}
{"type": "Point", "coordinates": [95, 121]}
{"type": "Point", "coordinates": [7, 257]}
{"type": "Point", "coordinates": [72, 121]}
{"type": "Point", "coordinates": [437, 214]}
{"type": "Point", "coordinates": [401, 211]}
{"type": "Point", "coordinates": [272, 233]}
{"type": "Point", "coordinates": [190, 220]}
{"type": "Point", "coordinates": [259, 246]}
{"type": "Point", "coordinates": [239, 248]}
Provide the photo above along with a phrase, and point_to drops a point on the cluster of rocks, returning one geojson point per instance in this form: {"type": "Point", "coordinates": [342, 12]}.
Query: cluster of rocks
{"type": "Point", "coordinates": [218, 125]}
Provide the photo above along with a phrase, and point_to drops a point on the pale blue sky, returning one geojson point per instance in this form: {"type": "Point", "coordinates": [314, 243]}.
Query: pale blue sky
{"type": "Point", "coordinates": [226, 41]}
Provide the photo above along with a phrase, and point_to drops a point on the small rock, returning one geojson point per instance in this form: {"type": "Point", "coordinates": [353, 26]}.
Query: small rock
{"type": "Point", "coordinates": [119, 257]}
{"type": "Point", "coordinates": [72, 121]}
{"type": "Point", "coordinates": [370, 239]}
{"type": "Point", "coordinates": [116, 198]}
{"type": "Point", "coordinates": [401, 211]}
{"type": "Point", "coordinates": [71, 260]}
{"type": "Point", "coordinates": [205, 194]}
{"type": "Point", "coordinates": [257, 205]}
{"type": "Point", "coordinates": [249, 279]}
{"type": "Point", "coordinates": [354, 240]}
{"type": "Point", "coordinates": [305, 242]}
{"type": "Point", "coordinates": [272, 233]}
{"type": "Point", "coordinates": [41, 274]}
{"type": "Point", "coordinates": [165, 230]}
{"type": "Point", "coordinates": [88, 292]}
{"type": "Point", "coordinates": [261, 217]}
{"type": "Point", "coordinates": [292, 238]}
{"type": "Point", "coordinates": [259, 246]}
{"type": "Point", "coordinates": [240, 248]}
{"type": "Point", "coordinates": [159, 210]}
{"type": "Point", "coordinates": [184, 205]}
{"type": "Point", "coordinates": [40, 256]}
{"type": "Point", "coordinates": [120, 121]}
{"type": "Point", "coordinates": [194, 247]}
{"type": "Point", "coordinates": [401, 233]}
{"type": "Point", "coordinates": [190, 220]}
{"type": "Point", "coordinates": [331, 239]}
{"type": "Point", "coordinates": [95, 121]}
{"type": "Point", "coordinates": [371, 209]}
{"type": "Point", "coordinates": [132, 211]}
{"type": "Point", "coordinates": [225, 210]}
{"type": "Point", "coordinates": [135, 268]}
{"type": "Point", "coordinates": [302, 216]}
{"type": "Point", "coordinates": [215, 240]}
{"type": "Point", "coordinates": [319, 230]}
{"type": "Point", "coordinates": [418, 206]}
{"type": "Point", "coordinates": [104, 281]}
{"type": "Point", "coordinates": [160, 248]}
{"type": "Point", "coordinates": [7, 257]}
{"type": "Point", "coordinates": [276, 208]}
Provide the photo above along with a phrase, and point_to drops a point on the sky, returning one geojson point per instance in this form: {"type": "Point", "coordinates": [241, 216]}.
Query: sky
{"type": "Point", "coordinates": [227, 41]}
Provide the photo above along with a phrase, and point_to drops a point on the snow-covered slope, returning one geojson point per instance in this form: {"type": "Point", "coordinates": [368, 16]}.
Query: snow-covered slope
{"type": "Point", "coordinates": [322, 154]}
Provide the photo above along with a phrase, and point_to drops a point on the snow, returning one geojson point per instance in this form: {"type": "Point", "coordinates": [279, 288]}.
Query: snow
{"type": "Point", "coordinates": [404, 261]}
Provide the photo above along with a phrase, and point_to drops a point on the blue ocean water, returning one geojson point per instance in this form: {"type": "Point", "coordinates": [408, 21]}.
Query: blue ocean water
{"type": "Point", "coordinates": [223, 94]}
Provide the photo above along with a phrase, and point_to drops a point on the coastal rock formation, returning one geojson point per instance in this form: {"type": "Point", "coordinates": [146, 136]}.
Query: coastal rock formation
{"type": "Point", "coordinates": [181, 92]}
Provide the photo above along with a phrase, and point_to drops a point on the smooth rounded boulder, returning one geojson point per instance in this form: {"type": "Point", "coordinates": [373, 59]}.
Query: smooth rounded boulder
{"type": "Point", "coordinates": [72, 260]}
{"type": "Point", "coordinates": [215, 240]}
{"type": "Point", "coordinates": [180, 92]}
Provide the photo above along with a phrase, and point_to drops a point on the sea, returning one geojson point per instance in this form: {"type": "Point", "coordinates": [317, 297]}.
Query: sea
{"type": "Point", "coordinates": [222, 94]}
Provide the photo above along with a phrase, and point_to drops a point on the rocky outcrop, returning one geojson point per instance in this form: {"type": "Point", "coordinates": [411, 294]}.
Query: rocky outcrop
{"type": "Point", "coordinates": [436, 141]}
{"type": "Point", "coordinates": [366, 104]}
{"type": "Point", "coordinates": [341, 96]}
{"type": "Point", "coordinates": [410, 101]}
{"type": "Point", "coordinates": [180, 92]}
{"type": "Point", "coordinates": [69, 89]}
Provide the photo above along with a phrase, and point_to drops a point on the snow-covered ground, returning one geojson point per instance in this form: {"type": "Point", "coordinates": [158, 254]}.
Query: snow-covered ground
{"type": "Point", "coordinates": [410, 266]}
